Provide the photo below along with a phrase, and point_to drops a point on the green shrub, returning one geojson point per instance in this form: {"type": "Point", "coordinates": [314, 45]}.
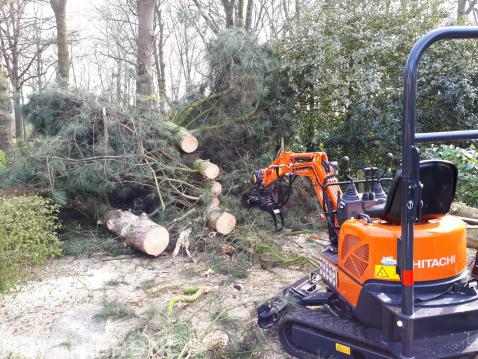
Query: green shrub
{"type": "Point", "coordinates": [28, 226]}
{"type": "Point", "coordinates": [466, 159]}
{"type": "Point", "coordinates": [3, 159]}
{"type": "Point", "coordinates": [346, 60]}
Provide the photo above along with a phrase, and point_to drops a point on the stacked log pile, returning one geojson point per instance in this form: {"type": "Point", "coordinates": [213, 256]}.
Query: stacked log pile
{"type": "Point", "coordinates": [151, 238]}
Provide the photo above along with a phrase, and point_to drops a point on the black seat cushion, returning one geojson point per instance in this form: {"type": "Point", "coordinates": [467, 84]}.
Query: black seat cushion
{"type": "Point", "coordinates": [439, 185]}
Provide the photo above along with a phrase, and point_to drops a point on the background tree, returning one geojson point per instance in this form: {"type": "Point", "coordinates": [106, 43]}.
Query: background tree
{"type": "Point", "coordinates": [159, 55]}
{"type": "Point", "coordinates": [21, 48]}
{"type": "Point", "coordinates": [116, 31]}
{"type": "Point", "coordinates": [5, 108]}
{"type": "Point", "coordinates": [145, 43]}
{"type": "Point", "coordinates": [5, 104]}
{"type": "Point", "coordinates": [63, 70]}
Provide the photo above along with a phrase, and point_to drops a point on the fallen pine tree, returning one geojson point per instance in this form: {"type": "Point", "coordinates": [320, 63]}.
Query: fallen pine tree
{"type": "Point", "coordinates": [133, 172]}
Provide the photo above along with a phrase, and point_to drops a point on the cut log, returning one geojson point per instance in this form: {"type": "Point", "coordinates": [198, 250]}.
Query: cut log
{"type": "Point", "coordinates": [220, 220]}
{"type": "Point", "coordinates": [184, 139]}
{"type": "Point", "coordinates": [472, 237]}
{"type": "Point", "coordinates": [462, 210]}
{"type": "Point", "coordinates": [216, 188]}
{"type": "Point", "coordinates": [214, 203]}
{"type": "Point", "coordinates": [138, 231]}
{"type": "Point", "coordinates": [207, 169]}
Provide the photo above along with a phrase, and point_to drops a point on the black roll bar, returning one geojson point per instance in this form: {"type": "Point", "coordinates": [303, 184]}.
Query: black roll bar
{"type": "Point", "coordinates": [410, 171]}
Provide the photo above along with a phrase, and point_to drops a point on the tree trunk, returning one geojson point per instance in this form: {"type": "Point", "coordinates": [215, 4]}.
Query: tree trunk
{"type": "Point", "coordinates": [229, 10]}
{"type": "Point", "coordinates": [240, 14]}
{"type": "Point", "coordinates": [145, 43]}
{"type": "Point", "coordinates": [185, 140]}
{"type": "Point", "coordinates": [214, 203]}
{"type": "Point", "coordinates": [221, 221]}
{"type": "Point", "coordinates": [249, 11]}
{"type": "Point", "coordinates": [206, 168]}
{"type": "Point", "coordinates": [461, 8]}
{"type": "Point", "coordinates": [138, 231]}
{"type": "Point", "coordinates": [159, 62]}
{"type": "Point", "coordinates": [63, 71]}
{"type": "Point", "coordinates": [462, 11]}
{"type": "Point", "coordinates": [216, 188]}
{"type": "Point", "coordinates": [5, 109]}
{"type": "Point", "coordinates": [17, 110]}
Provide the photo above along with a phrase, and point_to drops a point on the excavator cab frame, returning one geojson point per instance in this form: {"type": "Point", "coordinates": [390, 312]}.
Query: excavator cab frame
{"type": "Point", "coordinates": [410, 169]}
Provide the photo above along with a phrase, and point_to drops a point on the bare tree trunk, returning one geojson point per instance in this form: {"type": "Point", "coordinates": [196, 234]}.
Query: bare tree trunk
{"type": "Point", "coordinates": [17, 106]}
{"type": "Point", "coordinates": [17, 110]}
{"type": "Point", "coordinates": [460, 11]}
{"type": "Point", "coordinates": [5, 109]}
{"type": "Point", "coordinates": [229, 10]}
{"type": "Point", "coordinates": [240, 14]}
{"type": "Point", "coordinates": [38, 57]}
{"type": "Point", "coordinates": [63, 72]}
{"type": "Point", "coordinates": [249, 11]}
{"type": "Point", "coordinates": [159, 62]}
{"type": "Point", "coordinates": [145, 43]}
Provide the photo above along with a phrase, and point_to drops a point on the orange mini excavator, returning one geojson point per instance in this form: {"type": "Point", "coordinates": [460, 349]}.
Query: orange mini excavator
{"type": "Point", "coordinates": [394, 281]}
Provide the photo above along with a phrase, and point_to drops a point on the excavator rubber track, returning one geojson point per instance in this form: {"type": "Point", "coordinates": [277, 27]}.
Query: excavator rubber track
{"type": "Point", "coordinates": [309, 334]}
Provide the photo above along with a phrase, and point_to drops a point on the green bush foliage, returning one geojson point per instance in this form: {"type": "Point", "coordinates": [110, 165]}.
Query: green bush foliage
{"type": "Point", "coordinates": [346, 59]}
{"type": "Point", "coordinates": [28, 226]}
{"type": "Point", "coordinates": [466, 159]}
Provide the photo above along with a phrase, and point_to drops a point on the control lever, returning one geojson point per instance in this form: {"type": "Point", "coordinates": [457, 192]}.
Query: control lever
{"type": "Point", "coordinates": [377, 186]}
{"type": "Point", "coordinates": [387, 163]}
{"type": "Point", "coordinates": [350, 193]}
{"type": "Point", "coordinates": [345, 162]}
{"type": "Point", "coordinates": [370, 178]}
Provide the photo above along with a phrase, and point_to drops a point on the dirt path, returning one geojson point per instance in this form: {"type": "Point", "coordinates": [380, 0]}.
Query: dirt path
{"type": "Point", "coordinates": [64, 312]}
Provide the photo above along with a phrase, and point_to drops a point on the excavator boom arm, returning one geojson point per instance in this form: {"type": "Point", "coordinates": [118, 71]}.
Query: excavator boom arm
{"type": "Point", "coordinates": [315, 166]}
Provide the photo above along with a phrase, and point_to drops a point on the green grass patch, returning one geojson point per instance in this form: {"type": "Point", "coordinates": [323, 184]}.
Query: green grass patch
{"type": "Point", "coordinates": [84, 239]}
{"type": "Point", "coordinates": [115, 311]}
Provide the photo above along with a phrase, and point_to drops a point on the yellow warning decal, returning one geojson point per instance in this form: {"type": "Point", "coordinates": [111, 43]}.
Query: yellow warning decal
{"type": "Point", "coordinates": [386, 272]}
{"type": "Point", "coordinates": [342, 348]}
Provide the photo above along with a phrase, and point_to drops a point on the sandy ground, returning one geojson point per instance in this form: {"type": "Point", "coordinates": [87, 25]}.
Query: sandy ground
{"type": "Point", "coordinates": [54, 315]}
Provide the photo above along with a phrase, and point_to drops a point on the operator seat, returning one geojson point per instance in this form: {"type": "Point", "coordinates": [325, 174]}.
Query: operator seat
{"type": "Point", "coordinates": [439, 185]}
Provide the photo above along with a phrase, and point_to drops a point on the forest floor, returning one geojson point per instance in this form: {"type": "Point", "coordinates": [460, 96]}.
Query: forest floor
{"type": "Point", "coordinates": [115, 307]}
